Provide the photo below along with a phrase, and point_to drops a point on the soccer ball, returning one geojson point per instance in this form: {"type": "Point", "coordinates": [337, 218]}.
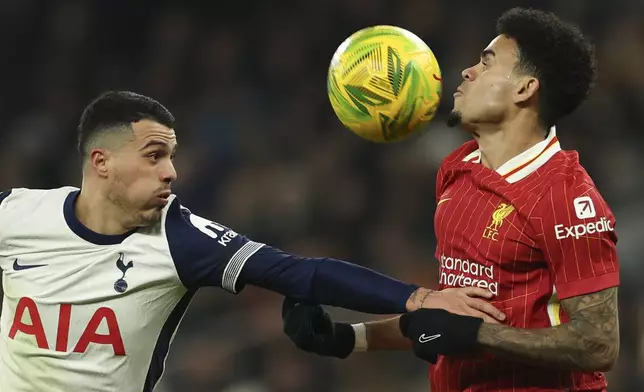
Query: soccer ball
{"type": "Point", "coordinates": [384, 83]}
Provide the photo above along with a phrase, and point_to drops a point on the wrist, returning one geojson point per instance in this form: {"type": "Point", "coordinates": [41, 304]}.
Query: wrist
{"type": "Point", "coordinates": [344, 340]}
{"type": "Point", "coordinates": [417, 298]}
{"type": "Point", "coordinates": [360, 333]}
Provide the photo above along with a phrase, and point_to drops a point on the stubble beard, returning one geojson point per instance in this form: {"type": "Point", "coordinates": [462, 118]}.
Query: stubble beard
{"type": "Point", "coordinates": [454, 118]}
{"type": "Point", "coordinates": [137, 216]}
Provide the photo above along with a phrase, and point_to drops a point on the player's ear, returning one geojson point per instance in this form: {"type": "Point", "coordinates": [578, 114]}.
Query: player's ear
{"type": "Point", "coordinates": [98, 158]}
{"type": "Point", "coordinates": [526, 88]}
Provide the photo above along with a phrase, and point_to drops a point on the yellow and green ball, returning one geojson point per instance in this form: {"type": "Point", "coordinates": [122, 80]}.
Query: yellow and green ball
{"type": "Point", "coordinates": [384, 83]}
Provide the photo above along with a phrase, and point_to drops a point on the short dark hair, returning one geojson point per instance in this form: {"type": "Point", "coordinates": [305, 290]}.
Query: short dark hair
{"type": "Point", "coordinates": [557, 54]}
{"type": "Point", "coordinates": [116, 110]}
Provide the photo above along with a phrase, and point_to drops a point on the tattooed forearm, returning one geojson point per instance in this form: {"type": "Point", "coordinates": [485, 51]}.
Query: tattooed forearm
{"type": "Point", "coordinates": [589, 341]}
{"type": "Point", "coordinates": [417, 298]}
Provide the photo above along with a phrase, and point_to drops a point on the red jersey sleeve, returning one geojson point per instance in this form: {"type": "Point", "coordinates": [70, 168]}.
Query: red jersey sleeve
{"type": "Point", "coordinates": [576, 233]}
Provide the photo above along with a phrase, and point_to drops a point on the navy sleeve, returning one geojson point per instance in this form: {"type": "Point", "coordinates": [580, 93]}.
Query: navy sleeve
{"type": "Point", "coordinates": [208, 254]}
{"type": "Point", "coordinates": [4, 195]}
{"type": "Point", "coordinates": [205, 253]}
{"type": "Point", "coordinates": [326, 281]}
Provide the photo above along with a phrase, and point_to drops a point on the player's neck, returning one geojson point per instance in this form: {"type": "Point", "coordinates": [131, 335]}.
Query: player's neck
{"type": "Point", "coordinates": [98, 214]}
{"type": "Point", "coordinates": [501, 143]}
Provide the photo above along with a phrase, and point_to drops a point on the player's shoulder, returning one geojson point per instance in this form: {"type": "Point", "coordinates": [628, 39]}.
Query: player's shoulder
{"type": "Point", "coordinates": [183, 226]}
{"type": "Point", "coordinates": [199, 247]}
{"type": "Point", "coordinates": [18, 199]}
{"type": "Point", "coordinates": [568, 183]}
{"type": "Point", "coordinates": [451, 162]}
{"type": "Point", "coordinates": [28, 210]}
{"type": "Point", "coordinates": [174, 212]}
{"type": "Point", "coordinates": [466, 151]}
{"type": "Point", "coordinates": [564, 172]}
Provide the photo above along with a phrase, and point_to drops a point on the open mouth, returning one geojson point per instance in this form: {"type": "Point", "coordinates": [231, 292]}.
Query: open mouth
{"type": "Point", "coordinates": [163, 197]}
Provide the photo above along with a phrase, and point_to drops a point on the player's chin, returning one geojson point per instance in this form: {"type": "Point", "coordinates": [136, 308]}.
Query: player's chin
{"type": "Point", "coordinates": [153, 210]}
{"type": "Point", "coordinates": [151, 216]}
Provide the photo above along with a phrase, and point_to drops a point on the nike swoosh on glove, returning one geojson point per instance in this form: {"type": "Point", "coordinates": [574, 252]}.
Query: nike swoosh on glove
{"type": "Point", "coordinates": [437, 331]}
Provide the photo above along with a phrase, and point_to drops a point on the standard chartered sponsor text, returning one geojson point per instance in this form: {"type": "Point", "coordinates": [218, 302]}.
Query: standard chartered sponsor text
{"type": "Point", "coordinates": [457, 272]}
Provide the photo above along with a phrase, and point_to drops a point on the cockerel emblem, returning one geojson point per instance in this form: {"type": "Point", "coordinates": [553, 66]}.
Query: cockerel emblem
{"type": "Point", "coordinates": [121, 285]}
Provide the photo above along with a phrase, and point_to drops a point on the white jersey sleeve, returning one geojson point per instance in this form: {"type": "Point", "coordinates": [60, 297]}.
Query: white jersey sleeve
{"type": "Point", "coordinates": [15, 204]}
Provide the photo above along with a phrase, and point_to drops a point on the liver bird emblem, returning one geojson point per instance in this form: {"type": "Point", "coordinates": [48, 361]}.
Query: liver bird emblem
{"type": "Point", "coordinates": [501, 212]}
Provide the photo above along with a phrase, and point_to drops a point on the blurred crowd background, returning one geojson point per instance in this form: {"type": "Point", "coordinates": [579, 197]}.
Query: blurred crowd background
{"type": "Point", "coordinates": [262, 152]}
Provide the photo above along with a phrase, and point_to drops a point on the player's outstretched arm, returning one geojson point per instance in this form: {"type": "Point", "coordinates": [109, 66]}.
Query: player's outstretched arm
{"type": "Point", "coordinates": [208, 254]}
{"type": "Point", "coordinates": [588, 342]}
{"type": "Point", "coordinates": [311, 329]}
{"type": "Point", "coordinates": [330, 281]}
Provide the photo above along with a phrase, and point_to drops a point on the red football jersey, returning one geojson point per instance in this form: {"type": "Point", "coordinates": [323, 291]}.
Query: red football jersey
{"type": "Point", "coordinates": [533, 232]}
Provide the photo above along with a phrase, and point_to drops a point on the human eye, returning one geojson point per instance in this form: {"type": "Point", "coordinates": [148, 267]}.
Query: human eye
{"type": "Point", "coordinates": [153, 155]}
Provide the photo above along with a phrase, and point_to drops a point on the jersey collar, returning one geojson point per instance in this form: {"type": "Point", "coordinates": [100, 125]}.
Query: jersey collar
{"type": "Point", "coordinates": [527, 162]}
{"type": "Point", "coordinates": [83, 231]}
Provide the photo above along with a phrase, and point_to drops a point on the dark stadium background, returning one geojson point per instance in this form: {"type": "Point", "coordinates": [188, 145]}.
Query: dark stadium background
{"type": "Point", "coordinates": [262, 152]}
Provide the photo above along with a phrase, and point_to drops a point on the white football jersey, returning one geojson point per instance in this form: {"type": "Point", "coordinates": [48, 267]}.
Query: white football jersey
{"type": "Point", "coordinates": [89, 312]}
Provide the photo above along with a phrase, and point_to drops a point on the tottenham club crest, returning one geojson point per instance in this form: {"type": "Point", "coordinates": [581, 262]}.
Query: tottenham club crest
{"type": "Point", "coordinates": [121, 285]}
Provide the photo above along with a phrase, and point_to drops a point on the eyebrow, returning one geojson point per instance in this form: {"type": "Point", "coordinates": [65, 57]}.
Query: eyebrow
{"type": "Point", "coordinates": [488, 53]}
{"type": "Point", "coordinates": [158, 143]}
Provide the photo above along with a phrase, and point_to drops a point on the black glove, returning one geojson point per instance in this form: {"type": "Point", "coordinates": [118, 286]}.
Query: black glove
{"type": "Point", "coordinates": [311, 329]}
{"type": "Point", "coordinates": [436, 331]}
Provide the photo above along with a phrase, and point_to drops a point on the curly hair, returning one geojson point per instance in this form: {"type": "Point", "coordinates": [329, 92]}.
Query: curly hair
{"type": "Point", "coordinates": [554, 52]}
